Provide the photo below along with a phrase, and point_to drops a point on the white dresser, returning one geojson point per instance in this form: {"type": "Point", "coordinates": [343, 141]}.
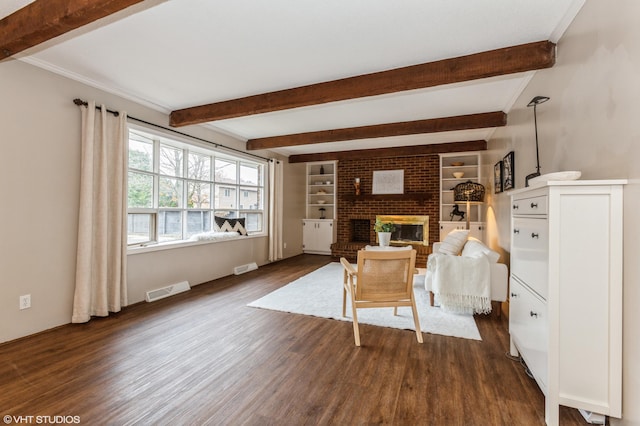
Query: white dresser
{"type": "Point", "coordinates": [566, 292]}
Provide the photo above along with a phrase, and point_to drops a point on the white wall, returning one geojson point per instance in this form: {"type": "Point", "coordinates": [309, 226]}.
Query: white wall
{"type": "Point", "coordinates": [40, 163]}
{"type": "Point", "coordinates": [590, 124]}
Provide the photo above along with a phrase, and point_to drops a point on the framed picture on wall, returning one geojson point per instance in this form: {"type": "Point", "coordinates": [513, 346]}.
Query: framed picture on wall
{"type": "Point", "coordinates": [508, 175]}
{"type": "Point", "coordinates": [388, 182]}
{"type": "Point", "coordinates": [497, 177]}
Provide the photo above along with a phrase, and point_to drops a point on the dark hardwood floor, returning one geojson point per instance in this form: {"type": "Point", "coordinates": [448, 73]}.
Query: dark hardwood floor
{"type": "Point", "coordinates": [204, 358]}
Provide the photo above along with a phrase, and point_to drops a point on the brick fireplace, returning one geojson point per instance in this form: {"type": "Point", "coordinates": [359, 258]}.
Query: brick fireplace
{"type": "Point", "coordinates": [357, 213]}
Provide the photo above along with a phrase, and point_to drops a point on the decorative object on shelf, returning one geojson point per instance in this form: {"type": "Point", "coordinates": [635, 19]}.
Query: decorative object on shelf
{"type": "Point", "coordinates": [388, 182]}
{"type": "Point", "coordinates": [458, 175]}
{"type": "Point", "coordinates": [508, 171]}
{"type": "Point", "coordinates": [356, 185]}
{"type": "Point", "coordinates": [321, 192]}
{"type": "Point", "coordinates": [469, 192]}
{"type": "Point", "coordinates": [457, 163]}
{"type": "Point", "coordinates": [322, 210]}
{"type": "Point", "coordinates": [542, 179]}
{"type": "Point", "coordinates": [497, 177]}
{"type": "Point", "coordinates": [321, 201]}
{"type": "Point", "coordinates": [321, 169]}
{"type": "Point", "coordinates": [534, 103]}
{"type": "Point", "coordinates": [456, 212]}
{"type": "Point", "coordinates": [384, 230]}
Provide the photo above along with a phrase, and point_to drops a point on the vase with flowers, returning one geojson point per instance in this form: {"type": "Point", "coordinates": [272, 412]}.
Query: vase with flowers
{"type": "Point", "coordinates": [384, 230]}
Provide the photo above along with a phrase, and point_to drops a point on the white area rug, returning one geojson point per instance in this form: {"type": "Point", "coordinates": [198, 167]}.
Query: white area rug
{"type": "Point", "coordinates": [320, 294]}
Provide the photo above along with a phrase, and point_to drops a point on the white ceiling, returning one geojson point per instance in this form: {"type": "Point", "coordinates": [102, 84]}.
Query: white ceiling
{"type": "Point", "coordinates": [180, 53]}
{"type": "Point", "coordinates": [7, 7]}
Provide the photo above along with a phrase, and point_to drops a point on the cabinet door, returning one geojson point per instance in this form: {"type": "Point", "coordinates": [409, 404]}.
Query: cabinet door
{"type": "Point", "coordinates": [325, 236]}
{"type": "Point", "coordinates": [446, 227]}
{"type": "Point", "coordinates": [528, 329]}
{"type": "Point", "coordinates": [309, 235]}
{"type": "Point", "coordinates": [317, 236]}
{"type": "Point", "coordinates": [530, 252]}
{"type": "Point", "coordinates": [476, 230]}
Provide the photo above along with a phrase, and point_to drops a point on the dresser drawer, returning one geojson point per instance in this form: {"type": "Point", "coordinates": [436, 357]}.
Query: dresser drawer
{"type": "Point", "coordinates": [530, 250]}
{"type": "Point", "coordinates": [528, 329]}
{"type": "Point", "coordinates": [531, 205]}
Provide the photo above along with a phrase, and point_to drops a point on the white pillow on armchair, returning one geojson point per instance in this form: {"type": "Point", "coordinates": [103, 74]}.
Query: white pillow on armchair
{"type": "Point", "coordinates": [454, 242]}
{"type": "Point", "coordinates": [474, 247]}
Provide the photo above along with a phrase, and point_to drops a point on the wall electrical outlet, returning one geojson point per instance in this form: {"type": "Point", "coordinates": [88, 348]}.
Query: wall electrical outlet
{"type": "Point", "coordinates": [25, 301]}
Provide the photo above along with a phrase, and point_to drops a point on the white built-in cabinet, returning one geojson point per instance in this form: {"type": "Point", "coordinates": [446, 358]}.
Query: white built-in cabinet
{"type": "Point", "coordinates": [319, 227]}
{"type": "Point", "coordinates": [566, 292]}
{"type": "Point", "coordinates": [469, 164]}
{"type": "Point", "coordinates": [476, 229]}
{"type": "Point", "coordinates": [318, 235]}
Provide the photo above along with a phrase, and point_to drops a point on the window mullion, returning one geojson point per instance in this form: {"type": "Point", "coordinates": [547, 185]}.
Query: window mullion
{"type": "Point", "coordinates": [238, 197]}
{"type": "Point", "coordinates": [185, 190]}
{"type": "Point", "coordinates": [156, 172]}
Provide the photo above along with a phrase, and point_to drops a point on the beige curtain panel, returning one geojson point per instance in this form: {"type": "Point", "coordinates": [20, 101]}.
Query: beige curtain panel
{"type": "Point", "coordinates": [275, 210]}
{"type": "Point", "coordinates": [101, 269]}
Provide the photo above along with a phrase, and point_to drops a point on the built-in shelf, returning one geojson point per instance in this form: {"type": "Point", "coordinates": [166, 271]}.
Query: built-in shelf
{"type": "Point", "coordinates": [421, 197]}
{"type": "Point", "coordinates": [319, 227]}
{"type": "Point", "coordinates": [468, 165]}
{"type": "Point", "coordinates": [321, 190]}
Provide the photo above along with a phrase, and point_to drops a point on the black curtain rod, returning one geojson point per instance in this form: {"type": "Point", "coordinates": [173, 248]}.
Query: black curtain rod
{"type": "Point", "coordinates": [80, 102]}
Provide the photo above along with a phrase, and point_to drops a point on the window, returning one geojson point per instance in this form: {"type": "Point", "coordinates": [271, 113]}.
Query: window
{"type": "Point", "coordinates": [176, 188]}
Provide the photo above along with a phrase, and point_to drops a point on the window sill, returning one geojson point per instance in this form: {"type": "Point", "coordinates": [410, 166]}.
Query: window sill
{"type": "Point", "coordinates": [181, 244]}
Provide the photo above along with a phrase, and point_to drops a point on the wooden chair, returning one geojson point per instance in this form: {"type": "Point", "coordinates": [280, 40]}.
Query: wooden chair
{"type": "Point", "coordinates": [383, 279]}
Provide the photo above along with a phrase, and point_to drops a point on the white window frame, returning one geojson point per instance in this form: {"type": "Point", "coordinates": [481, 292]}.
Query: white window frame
{"type": "Point", "coordinates": [188, 146]}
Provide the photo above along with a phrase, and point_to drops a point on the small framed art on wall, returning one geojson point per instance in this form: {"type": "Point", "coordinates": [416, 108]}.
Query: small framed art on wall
{"type": "Point", "coordinates": [497, 177]}
{"type": "Point", "coordinates": [508, 176]}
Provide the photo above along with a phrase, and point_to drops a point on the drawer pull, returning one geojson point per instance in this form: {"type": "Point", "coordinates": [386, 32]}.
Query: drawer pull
{"type": "Point", "coordinates": [515, 207]}
{"type": "Point", "coordinates": [533, 314]}
{"type": "Point", "coordinates": [534, 205]}
{"type": "Point", "coordinates": [514, 294]}
{"type": "Point", "coordinates": [534, 235]}
{"type": "Point", "coordinates": [516, 231]}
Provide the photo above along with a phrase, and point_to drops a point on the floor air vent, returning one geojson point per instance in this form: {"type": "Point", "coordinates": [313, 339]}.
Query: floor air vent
{"type": "Point", "coordinates": [170, 290]}
{"type": "Point", "coordinates": [245, 268]}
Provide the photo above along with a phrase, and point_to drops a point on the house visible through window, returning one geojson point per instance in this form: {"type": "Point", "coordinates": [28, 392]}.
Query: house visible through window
{"type": "Point", "coordinates": [176, 188]}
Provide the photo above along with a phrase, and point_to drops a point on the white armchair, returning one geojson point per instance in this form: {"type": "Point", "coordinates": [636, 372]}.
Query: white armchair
{"type": "Point", "coordinates": [498, 273]}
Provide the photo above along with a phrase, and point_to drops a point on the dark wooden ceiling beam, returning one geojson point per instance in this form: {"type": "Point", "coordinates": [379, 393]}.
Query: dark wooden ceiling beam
{"type": "Point", "coordinates": [508, 60]}
{"type": "Point", "coordinates": [434, 125]}
{"type": "Point", "coordinates": [402, 151]}
{"type": "Point", "coordinates": [43, 20]}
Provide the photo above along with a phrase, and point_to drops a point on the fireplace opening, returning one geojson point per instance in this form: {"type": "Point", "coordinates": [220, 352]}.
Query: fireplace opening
{"type": "Point", "coordinates": [360, 230]}
{"type": "Point", "coordinates": [409, 229]}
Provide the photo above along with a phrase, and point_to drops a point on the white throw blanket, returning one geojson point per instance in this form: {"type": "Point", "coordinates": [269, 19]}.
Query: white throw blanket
{"type": "Point", "coordinates": [461, 284]}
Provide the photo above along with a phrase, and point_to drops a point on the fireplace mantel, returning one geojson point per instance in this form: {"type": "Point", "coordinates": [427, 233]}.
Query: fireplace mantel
{"type": "Point", "coordinates": [420, 197]}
